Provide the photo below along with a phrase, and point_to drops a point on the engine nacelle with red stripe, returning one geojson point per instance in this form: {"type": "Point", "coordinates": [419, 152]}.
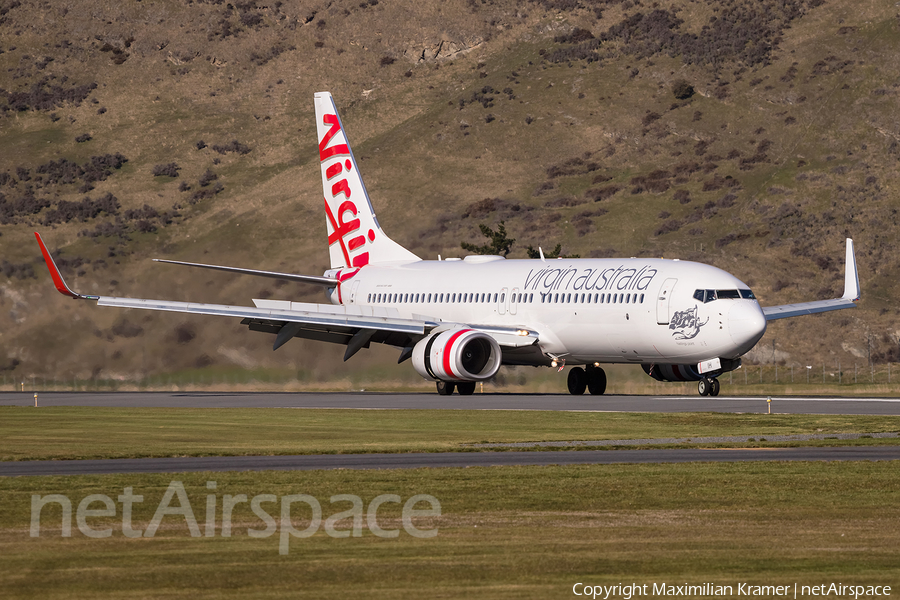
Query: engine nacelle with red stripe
{"type": "Point", "coordinates": [457, 355]}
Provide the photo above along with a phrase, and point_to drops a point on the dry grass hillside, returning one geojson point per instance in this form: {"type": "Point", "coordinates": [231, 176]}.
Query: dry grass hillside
{"type": "Point", "coordinates": [753, 135]}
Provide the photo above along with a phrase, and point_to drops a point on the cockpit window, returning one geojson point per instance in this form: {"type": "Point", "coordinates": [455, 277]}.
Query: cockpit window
{"type": "Point", "coordinates": [729, 294]}
{"type": "Point", "coordinates": [711, 295]}
{"type": "Point", "coordinates": [705, 295]}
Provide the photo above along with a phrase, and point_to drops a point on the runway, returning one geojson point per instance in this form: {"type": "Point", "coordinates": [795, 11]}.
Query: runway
{"type": "Point", "coordinates": [378, 400]}
{"type": "Point", "coordinates": [439, 459]}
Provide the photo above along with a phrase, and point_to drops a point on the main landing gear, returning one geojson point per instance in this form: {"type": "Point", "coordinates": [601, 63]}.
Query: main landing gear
{"type": "Point", "coordinates": [592, 379]}
{"type": "Point", "coordinates": [708, 386]}
{"type": "Point", "coordinates": [465, 388]}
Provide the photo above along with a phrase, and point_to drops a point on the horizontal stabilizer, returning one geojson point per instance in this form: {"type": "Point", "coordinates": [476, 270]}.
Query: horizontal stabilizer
{"type": "Point", "coordinates": [326, 281]}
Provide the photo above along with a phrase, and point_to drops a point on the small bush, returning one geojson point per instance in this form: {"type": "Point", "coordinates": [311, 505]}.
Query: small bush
{"type": "Point", "coordinates": [168, 170]}
{"type": "Point", "coordinates": [682, 90]}
{"type": "Point", "coordinates": [207, 178]}
{"type": "Point", "coordinates": [650, 117]}
{"type": "Point", "coordinates": [233, 146]}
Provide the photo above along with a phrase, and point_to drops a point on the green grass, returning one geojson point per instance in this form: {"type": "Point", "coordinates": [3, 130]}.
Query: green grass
{"type": "Point", "coordinates": [27, 433]}
{"type": "Point", "coordinates": [519, 532]}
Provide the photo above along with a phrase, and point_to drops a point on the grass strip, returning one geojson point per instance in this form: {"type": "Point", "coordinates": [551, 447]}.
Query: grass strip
{"type": "Point", "coordinates": [523, 532]}
{"type": "Point", "coordinates": [27, 433]}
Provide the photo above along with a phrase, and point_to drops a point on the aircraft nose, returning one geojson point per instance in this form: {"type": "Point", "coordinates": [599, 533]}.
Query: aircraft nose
{"type": "Point", "coordinates": [746, 324]}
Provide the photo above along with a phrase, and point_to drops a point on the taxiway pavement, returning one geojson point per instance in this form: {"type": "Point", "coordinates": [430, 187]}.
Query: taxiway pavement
{"type": "Point", "coordinates": [440, 459]}
{"type": "Point", "coordinates": [378, 400]}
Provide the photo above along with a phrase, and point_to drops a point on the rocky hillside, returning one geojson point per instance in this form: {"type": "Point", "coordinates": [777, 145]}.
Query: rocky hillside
{"type": "Point", "coordinates": [753, 135]}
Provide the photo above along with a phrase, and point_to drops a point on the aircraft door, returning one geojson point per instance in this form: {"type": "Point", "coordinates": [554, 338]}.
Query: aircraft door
{"type": "Point", "coordinates": [513, 301]}
{"type": "Point", "coordinates": [662, 301]}
{"type": "Point", "coordinates": [501, 302]}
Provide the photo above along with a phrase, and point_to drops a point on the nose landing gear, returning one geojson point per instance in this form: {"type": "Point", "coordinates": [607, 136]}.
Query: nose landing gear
{"type": "Point", "coordinates": [708, 386]}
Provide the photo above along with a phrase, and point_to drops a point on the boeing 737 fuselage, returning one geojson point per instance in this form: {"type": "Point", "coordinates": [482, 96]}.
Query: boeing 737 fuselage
{"type": "Point", "coordinates": [459, 320]}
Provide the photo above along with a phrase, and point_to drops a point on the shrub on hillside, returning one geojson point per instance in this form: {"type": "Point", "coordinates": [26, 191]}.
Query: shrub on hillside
{"type": "Point", "coordinates": [42, 96]}
{"type": "Point", "coordinates": [682, 90]}
{"type": "Point", "coordinates": [233, 146]}
{"type": "Point", "coordinates": [168, 170]}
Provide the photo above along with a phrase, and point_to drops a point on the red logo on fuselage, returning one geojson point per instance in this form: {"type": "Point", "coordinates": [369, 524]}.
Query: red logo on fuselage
{"type": "Point", "coordinates": [343, 226]}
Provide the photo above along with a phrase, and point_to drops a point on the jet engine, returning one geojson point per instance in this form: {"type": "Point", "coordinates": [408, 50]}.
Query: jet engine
{"type": "Point", "coordinates": [457, 355]}
{"type": "Point", "coordinates": [662, 372]}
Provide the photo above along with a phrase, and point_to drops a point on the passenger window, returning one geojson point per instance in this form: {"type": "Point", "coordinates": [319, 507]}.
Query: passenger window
{"type": "Point", "coordinates": [642, 298]}
{"type": "Point", "coordinates": [502, 298]}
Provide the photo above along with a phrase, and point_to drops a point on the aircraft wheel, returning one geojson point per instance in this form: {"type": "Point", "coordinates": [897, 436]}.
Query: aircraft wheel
{"type": "Point", "coordinates": [445, 388]}
{"type": "Point", "coordinates": [465, 388]}
{"type": "Point", "coordinates": [596, 381]}
{"type": "Point", "coordinates": [577, 381]}
{"type": "Point", "coordinates": [714, 390]}
{"type": "Point", "coordinates": [704, 386]}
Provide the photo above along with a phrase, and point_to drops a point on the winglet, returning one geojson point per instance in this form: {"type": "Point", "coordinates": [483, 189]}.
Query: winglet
{"type": "Point", "coordinates": [851, 275]}
{"type": "Point", "coordinates": [58, 281]}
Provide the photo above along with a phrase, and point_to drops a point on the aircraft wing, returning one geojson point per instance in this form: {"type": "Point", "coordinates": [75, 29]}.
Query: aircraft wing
{"type": "Point", "coordinates": [848, 300]}
{"type": "Point", "coordinates": [354, 326]}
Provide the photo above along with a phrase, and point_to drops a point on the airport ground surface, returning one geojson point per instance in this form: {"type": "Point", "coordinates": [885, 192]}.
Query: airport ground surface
{"type": "Point", "coordinates": [440, 459]}
{"type": "Point", "coordinates": [485, 457]}
{"type": "Point", "coordinates": [377, 400]}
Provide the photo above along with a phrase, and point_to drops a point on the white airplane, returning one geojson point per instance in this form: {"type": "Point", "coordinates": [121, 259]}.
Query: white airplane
{"type": "Point", "coordinates": [461, 319]}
